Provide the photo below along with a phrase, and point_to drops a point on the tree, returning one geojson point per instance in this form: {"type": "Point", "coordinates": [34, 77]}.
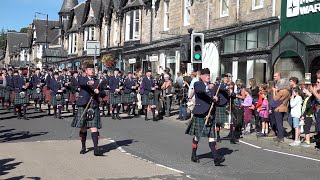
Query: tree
{"type": "Point", "coordinates": [24, 30]}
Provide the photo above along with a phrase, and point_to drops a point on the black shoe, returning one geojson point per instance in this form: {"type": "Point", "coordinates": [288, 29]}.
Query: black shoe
{"type": "Point", "coordinates": [118, 117]}
{"type": "Point", "coordinates": [108, 115]}
{"type": "Point", "coordinates": [219, 139]}
{"type": "Point", "coordinates": [218, 161]}
{"type": "Point", "coordinates": [83, 151]}
{"type": "Point", "coordinates": [97, 153]}
{"type": "Point", "coordinates": [155, 119]}
{"type": "Point", "coordinates": [178, 118]}
{"type": "Point", "coordinates": [103, 114]}
{"type": "Point", "coordinates": [146, 118]}
{"type": "Point", "coordinates": [60, 117]}
{"type": "Point", "coordinates": [134, 114]}
{"type": "Point", "coordinates": [195, 159]}
{"type": "Point", "coordinates": [113, 117]}
{"type": "Point", "coordinates": [19, 117]}
{"type": "Point", "coordinates": [55, 116]}
{"type": "Point", "coordinates": [233, 141]}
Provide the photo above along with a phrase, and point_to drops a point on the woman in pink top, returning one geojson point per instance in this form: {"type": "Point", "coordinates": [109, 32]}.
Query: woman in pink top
{"type": "Point", "coordinates": [247, 118]}
{"type": "Point", "coordinates": [264, 113]}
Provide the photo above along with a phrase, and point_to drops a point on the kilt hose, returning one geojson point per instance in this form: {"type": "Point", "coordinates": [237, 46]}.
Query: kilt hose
{"type": "Point", "coordinates": [115, 100]}
{"type": "Point", "coordinates": [147, 101]}
{"type": "Point", "coordinates": [18, 100]}
{"type": "Point", "coordinates": [221, 115]}
{"type": "Point", "coordinates": [47, 94]}
{"type": "Point", "coordinates": [2, 92]}
{"type": "Point", "coordinates": [82, 122]}
{"type": "Point", "coordinates": [36, 95]}
{"type": "Point", "coordinates": [54, 101]}
{"type": "Point", "coordinates": [129, 99]}
{"type": "Point", "coordinates": [73, 98]}
{"type": "Point", "coordinates": [196, 128]}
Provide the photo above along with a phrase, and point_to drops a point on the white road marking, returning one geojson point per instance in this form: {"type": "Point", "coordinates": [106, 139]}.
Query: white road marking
{"type": "Point", "coordinates": [188, 176]}
{"type": "Point", "coordinates": [292, 155]}
{"type": "Point", "coordinates": [250, 144]}
{"type": "Point", "coordinates": [172, 169]}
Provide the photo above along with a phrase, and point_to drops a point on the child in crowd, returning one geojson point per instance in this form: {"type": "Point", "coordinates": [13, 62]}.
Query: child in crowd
{"type": "Point", "coordinates": [295, 104]}
{"type": "Point", "coordinates": [264, 113]}
{"type": "Point", "coordinates": [307, 114]}
{"type": "Point", "coordinates": [247, 117]}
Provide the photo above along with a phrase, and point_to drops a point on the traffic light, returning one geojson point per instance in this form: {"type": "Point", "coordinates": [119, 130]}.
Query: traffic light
{"type": "Point", "coordinates": [185, 49]}
{"type": "Point", "coordinates": [197, 43]}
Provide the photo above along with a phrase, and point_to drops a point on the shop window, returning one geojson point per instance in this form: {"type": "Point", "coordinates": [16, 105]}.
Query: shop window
{"type": "Point", "coordinates": [257, 4]}
{"type": "Point", "coordinates": [166, 15]}
{"type": "Point", "coordinates": [229, 43]}
{"type": "Point", "coordinates": [132, 25]}
{"type": "Point", "coordinates": [260, 71]}
{"type": "Point", "coordinates": [224, 8]}
{"type": "Point", "coordinates": [252, 39]}
{"type": "Point", "coordinates": [263, 37]}
{"type": "Point", "coordinates": [273, 34]}
{"type": "Point", "coordinates": [186, 12]}
{"type": "Point", "coordinates": [226, 67]}
{"type": "Point", "coordinates": [241, 41]}
{"type": "Point", "coordinates": [242, 71]}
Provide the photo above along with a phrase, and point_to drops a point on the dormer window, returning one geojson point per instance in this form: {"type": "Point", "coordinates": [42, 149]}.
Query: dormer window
{"type": "Point", "coordinates": [132, 31]}
{"type": "Point", "coordinates": [91, 12]}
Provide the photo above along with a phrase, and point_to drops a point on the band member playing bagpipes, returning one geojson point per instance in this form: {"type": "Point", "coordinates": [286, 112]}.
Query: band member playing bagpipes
{"type": "Point", "coordinates": [65, 78]}
{"type": "Point", "coordinates": [88, 114]}
{"type": "Point", "coordinates": [56, 88]}
{"type": "Point", "coordinates": [130, 94]}
{"type": "Point", "coordinates": [46, 90]}
{"type": "Point", "coordinates": [37, 85]}
{"type": "Point", "coordinates": [74, 91]}
{"type": "Point", "coordinates": [148, 99]}
{"type": "Point", "coordinates": [21, 99]}
{"type": "Point", "coordinates": [10, 89]}
{"type": "Point", "coordinates": [202, 123]}
{"type": "Point", "coordinates": [104, 101]}
{"type": "Point", "coordinates": [115, 93]}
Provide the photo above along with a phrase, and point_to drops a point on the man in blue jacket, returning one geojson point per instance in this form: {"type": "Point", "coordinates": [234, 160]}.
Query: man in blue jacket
{"type": "Point", "coordinates": [130, 96]}
{"type": "Point", "coordinates": [148, 98]}
{"type": "Point", "coordinates": [115, 93]}
{"type": "Point", "coordinates": [21, 98]}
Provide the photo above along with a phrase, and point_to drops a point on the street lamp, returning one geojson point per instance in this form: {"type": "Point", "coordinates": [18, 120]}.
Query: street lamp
{"type": "Point", "coordinates": [47, 24]}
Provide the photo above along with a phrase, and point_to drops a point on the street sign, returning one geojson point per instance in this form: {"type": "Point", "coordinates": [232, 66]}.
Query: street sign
{"type": "Point", "coordinates": [132, 61]}
{"type": "Point", "coordinates": [93, 48]}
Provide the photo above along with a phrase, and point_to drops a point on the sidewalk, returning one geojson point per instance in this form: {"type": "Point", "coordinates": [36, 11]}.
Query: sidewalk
{"type": "Point", "coordinates": [61, 160]}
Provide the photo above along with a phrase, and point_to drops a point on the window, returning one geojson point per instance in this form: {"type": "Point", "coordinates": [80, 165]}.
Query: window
{"type": "Point", "coordinates": [106, 32]}
{"type": "Point", "coordinates": [74, 43]}
{"type": "Point", "coordinates": [70, 43]}
{"type": "Point", "coordinates": [257, 4]}
{"type": "Point", "coordinates": [132, 25]}
{"type": "Point", "coordinates": [91, 33]}
{"type": "Point", "coordinates": [91, 12]}
{"type": "Point", "coordinates": [86, 37]}
{"type": "Point", "coordinates": [115, 33]}
{"type": "Point", "coordinates": [273, 34]}
{"type": "Point", "coordinates": [224, 8]}
{"type": "Point", "coordinates": [186, 12]}
{"type": "Point", "coordinates": [229, 44]}
{"type": "Point", "coordinates": [166, 15]}
{"type": "Point", "coordinates": [241, 41]}
{"type": "Point", "coordinates": [252, 39]}
{"type": "Point", "coordinates": [263, 37]}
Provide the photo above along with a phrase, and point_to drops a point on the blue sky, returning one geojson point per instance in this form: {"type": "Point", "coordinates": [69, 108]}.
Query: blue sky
{"type": "Point", "coordinates": [16, 14]}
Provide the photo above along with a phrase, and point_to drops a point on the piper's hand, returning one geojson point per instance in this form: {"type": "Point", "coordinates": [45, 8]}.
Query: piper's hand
{"type": "Point", "coordinates": [117, 90]}
{"type": "Point", "coordinates": [96, 91]}
{"type": "Point", "coordinates": [78, 89]}
{"type": "Point", "coordinates": [133, 87]}
{"type": "Point", "coordinates": [90, 83]}
{"type": "Point", "coordinates": [215, 98]}
{"type": "Point", "coordinates": [153, 88]}
{"type": "Point", "coordinates": [211, 86]}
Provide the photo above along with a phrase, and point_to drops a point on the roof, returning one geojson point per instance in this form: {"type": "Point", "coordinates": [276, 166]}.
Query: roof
{"type": "Point", "coordinates": [67, 6]}
{"type": "Point", "coordinates": [106, 4]}
{"type": "Point", "coordinates": [96, 6]}
{"type": "Point", "coordinates": [307, 38]}
{"type": "Point", "coordinates": [1, 54]}
{"type": "Point", "coordinates": [40, 28]}
{"type": "Point", "coordinates": [15, 41]}
{"type": "Point", "coordinates": [78, 17]}
{"type": "Point", "coordinates": [134, 4]}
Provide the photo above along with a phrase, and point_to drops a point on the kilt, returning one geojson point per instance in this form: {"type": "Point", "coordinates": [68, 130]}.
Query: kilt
{"type": "Point", "coordinates": [96, 122]}
{"type": "Point", "coordinates": [20, 101]}
{"type": "Point", "coordinates": [12, 95]}
{"type": "Point", "coordinates": [36, 95]}
{"type": "Point", "coordinates": [129, 99]}
{"type": "Point", "coordinates": [117, 100]}
{"type": "Point", "coordinates": [2, 92]}
{"type": "Point", "coordinates": [7, 95]}
{"type": "Point", "coordinates": [221, 115]}
{"type": "Point", "coordinates": [66, 94]}
{"type": "Point", "coordinates": [54, 101]}
{"type": "Point", "coordinates": [73, 98]}
{"type": "Point", "coordinates": [46, 94]}
{"type": "Point", "coordinates": [147, 101]}
{"type": "Point", "coordinates": [197, 125]}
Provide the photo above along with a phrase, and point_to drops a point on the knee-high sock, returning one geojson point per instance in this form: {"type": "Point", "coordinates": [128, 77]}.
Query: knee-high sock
{"type": "Point", "coordinates": [59, 110]}
{"type": "Point", "coordinates": [153, 113]}
{"type": "Point", "coordinates": [103, 108]}
{"type": "Point", "coordinates": [83, 138]}
{"type": "Point", "coordinates": [218, 130]}
{"type": "Point", "coordinates": [67, 105]}
{"type": "Point", "coordinates": [129, 108]}
{"type": "Point", "coordinates": [55, 110]}
{"type": "Point", "coordinates": [118, 109]}
{"type": "Point", "coordinates": [24, 111]}
{"type": "Point", "coordinates": [194, 146]}
{"type": "Point", "coordinates": [214, 149]}
{"type": "Point", "coordinates": [73, 109]}
{"type": "Point", "coordinates": [113, 109]}
{"type": "Point", "coordinates": [95, 138]}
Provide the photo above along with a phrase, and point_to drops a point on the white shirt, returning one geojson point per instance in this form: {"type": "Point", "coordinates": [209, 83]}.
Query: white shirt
{"type": "Point", "coordinates": [296, 106]}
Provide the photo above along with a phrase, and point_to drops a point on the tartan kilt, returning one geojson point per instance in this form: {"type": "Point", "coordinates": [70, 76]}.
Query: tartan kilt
{"type": "Point", "coordinates": [19, 101]}
{"type": "Point", "coordinates": [46, 94]}
{"type": "Point", "coordinates": [12, 95]}
{"type": "Point", "coordinates": [96, 122]}
{"type": "Point", "coordinates": [117, 100]}
{"type": "Point", "coordinates": [55, 102]}
{"type": "Point", "coordinates": [129, 99]}
{"type": "Point", "coordinates": [73, 98]}
{"type": "Point", "coordinates": [2, 92]}
{"type": "Point", "coordinates": [36, 95]}
{"type": "Point", "coordinates": [197, 126]}
{"type": "Point", "coordinates": [221, 115]}
{"type": "Point", "coordinates": [66, 94]}
{"type": "Point", "coordinates": [147, 101]}
{"type": "Point", "coordinates": [7, 95]}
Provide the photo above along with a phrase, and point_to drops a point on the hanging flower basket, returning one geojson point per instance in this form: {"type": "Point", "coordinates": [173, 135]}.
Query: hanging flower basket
{"type": "Point", "coordinates": [85, 62]}
{"type": "Point", "coordinates": [108, 61]}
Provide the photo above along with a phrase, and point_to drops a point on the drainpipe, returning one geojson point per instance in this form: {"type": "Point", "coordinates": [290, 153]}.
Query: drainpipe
{"type": "Point", "coordinates": [274, 7]}
{"type": "Point", "coordinates": [153, 7]}
{"type": "Point", "coordinates": [238, 9]}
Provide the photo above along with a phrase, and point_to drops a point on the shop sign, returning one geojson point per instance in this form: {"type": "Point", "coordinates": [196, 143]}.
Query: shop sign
{"type": "Point", "coordinates": [132, 61]}
{"type": "Point", "coordinates": [153, 58]}
{"type": "Point", "coordinates": [302, 7]}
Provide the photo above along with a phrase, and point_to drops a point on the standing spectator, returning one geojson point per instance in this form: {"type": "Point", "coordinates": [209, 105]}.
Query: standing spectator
{"type": "Point", "coordinates": [195, 78]}
{"type": "Point", "coordinates": [293, 81]}
{"type": "Point", "coordinates": [307, 114]}
{"type": "Point", "coordinates": [263, 111]}
{"type": "Point", "coordinates": [280, 106]}
{"type": "Point", "coordinates": [255, 97]}
{"type": "Point", "coordinates": [295, 112]}
{"type": "Point", "coordinates": [167, 94]}
{"type": "Point", "coordinates": [247, 117]}
{"type": "Point", "coordinates": [179, 79]}
{"type": "Point", "coordinates": [316, 93]}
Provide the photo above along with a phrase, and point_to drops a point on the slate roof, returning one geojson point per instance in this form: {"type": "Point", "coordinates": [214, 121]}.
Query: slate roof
{"type": "Point", "coordinates": [40, 28]}
{"type": "Point", "coordinates": [96, 6]}
{"type": "Point", "coordinates": [78, 17]}
{"type": "Point", "coordinates": [106, 5]}
{"type": "Point", "coordinates": [15, 41]}
{"type": "Point", "coordinates": [308, 38]}
{"type": "Point", "coordinates": [134, 4]}
{"type": "Point", "coordinates": [67, 6]}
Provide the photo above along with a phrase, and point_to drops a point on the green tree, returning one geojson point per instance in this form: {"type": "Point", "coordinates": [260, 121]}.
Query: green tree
{"type": "Point", "coordinates": [24, 30]}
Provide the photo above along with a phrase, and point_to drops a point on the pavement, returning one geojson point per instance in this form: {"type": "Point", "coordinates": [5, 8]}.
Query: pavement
{"type": "Point", "coordinates": [40, 148]}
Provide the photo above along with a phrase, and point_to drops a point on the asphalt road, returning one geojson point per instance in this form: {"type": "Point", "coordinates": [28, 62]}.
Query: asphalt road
{"type": "Point", "coordinates": [165, 143]}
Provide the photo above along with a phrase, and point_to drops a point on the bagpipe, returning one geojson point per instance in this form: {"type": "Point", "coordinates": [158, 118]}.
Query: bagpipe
{"type": "Point", "coordinates": [120, 87]}
{"type": "Point", "coordinates": [61, 89]}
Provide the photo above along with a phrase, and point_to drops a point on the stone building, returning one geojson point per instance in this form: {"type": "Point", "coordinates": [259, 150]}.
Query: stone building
{"type": "Point", "coordinates": [17, 49]}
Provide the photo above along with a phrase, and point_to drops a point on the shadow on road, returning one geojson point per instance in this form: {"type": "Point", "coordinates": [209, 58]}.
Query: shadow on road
{"type": "Point", "coordinates": [112, 146]}
{"type": "Point", "coordinates": [221, 151]}
{"type": "Point", "coordinates": [7, 165]}
{"type": "Point", "coordinates": [7, 135]}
